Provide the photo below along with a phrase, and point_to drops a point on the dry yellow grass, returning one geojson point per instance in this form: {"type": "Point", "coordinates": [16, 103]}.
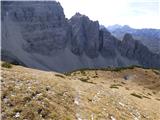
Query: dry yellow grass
{"type": "Point", "coordinates": [91, 95]}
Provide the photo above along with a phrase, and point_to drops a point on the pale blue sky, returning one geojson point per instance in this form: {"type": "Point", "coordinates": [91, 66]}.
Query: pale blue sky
{"type": "Point", "coordinates": [135, 13]}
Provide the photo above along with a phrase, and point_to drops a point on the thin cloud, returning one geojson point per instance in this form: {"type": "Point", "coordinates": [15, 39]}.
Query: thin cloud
{"type": "Point", "coordinates": [135, 13]}
{"type": "Point", "coordinates": [144, 8]}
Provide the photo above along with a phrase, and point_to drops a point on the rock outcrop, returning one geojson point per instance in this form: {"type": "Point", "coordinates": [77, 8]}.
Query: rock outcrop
{"type": "Point", "coordinates": [149, 37]}
{"type": "Point", "coordinates": [85, 35]}
{"type": "Point", "coordinates": [37, 35]}
{"type": "Point", "coordinates": [42, 25]}
{"type": "Point", "coordinates": [108, 44]}
{"type": "Point", "coordinates": [135, 50]}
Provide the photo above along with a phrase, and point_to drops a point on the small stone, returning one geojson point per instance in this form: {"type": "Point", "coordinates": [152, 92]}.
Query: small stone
{"type": "Point", "coordinates": [5, 100]}
{"type": "Point", "coordinates": [121, 104]}
{"type": "Point", "coordinates": [112, 118]}
{"type": "Point", "coordinates": [17, 115]}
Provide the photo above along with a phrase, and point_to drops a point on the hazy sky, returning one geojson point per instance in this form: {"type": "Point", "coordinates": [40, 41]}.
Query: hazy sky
{"type": "Point", "coordinates": [135, 13]}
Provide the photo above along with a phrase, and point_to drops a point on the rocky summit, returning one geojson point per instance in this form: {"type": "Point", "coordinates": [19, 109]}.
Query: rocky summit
{"type": "Point", "coordinates": [38, 35]}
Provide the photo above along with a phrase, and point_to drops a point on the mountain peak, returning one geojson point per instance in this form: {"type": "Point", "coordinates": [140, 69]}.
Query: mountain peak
{"type": "Point", "coordinates": [127, 37]}
{"type": "Point", "coordinates": [77, 14]}
{"type": "Point", "coordinates": [126, 26]}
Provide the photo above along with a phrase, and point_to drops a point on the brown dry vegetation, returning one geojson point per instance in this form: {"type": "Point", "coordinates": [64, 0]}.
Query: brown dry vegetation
{"type": "Point", "coordinates": [129, 94]}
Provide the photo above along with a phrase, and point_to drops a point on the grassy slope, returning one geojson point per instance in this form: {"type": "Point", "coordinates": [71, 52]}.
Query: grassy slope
{"type": "Point", "coordinates": [86, 94]}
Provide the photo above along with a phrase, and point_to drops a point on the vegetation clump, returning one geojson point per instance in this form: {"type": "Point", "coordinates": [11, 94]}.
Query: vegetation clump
{"type": "Point", "coordinates": [146, 97]}
{"type": "Point", "coordinates": [58, 75]}
{"type": "Point", "coordinates": [158, 99]}
{"type": "Point", "coordinates": [157, 72]}
{"type": "Point", "coordinates": [136, 95]}
{"type": "Point", "coordinates": [84, 79]}
{"type": "Point", "coordinates": [6, 65]}
{"type": "Point", "coordinates": [115, 86]}
{"type": "Point", "coordinates": [114, 69]}
{"type": "Point", "coordinates": [83, 72]}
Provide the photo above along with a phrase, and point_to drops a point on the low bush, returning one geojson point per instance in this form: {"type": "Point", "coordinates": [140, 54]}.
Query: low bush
{"type": "Point", "coordinates": [6, 65]}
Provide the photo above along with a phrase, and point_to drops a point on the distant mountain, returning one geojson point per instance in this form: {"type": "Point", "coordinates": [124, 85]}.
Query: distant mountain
{"type": "Point", "coordinates": [113, 27]}
{"type": "Point", "coordinates": [36, 34]}
{"type": "Point", "coordinates": [149, 37]}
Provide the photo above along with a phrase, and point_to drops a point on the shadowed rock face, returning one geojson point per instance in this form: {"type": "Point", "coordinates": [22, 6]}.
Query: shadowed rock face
{"type": "Point", "coordinates": [85, 35]}
{"type": "Point", "coordinates": [38, 35]}
{"type": "Point", "coordinates": [134, 49]}
{"type": "Point", "coordinates": [149, 37]}
{"type": "Point", "coordinates": [108, 44]}
{"type": "Point", "coordinates": [42, 25]}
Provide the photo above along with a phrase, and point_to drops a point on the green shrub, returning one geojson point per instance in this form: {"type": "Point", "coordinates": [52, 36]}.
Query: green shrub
{"type": "Point", "coordinates": [6, 65]}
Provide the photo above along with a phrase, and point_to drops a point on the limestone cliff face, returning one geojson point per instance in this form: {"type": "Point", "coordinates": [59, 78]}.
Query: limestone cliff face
{"type": "Point", "coordinates": [134, 49]}
{"type": "Point", "coordinates": [85, 35]}
{"type": "Point", "coordinates": [42, 25]}
{"type": "Point", "coordinates": [148, 36]}
{"type": "Point", "coordinates": [109, 44]}
{"type": "Point", "coordinates": [37, 35]}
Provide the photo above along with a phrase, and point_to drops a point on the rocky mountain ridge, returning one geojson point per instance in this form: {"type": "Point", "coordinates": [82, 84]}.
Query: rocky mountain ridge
{"type": "Point", "coordinates": [149, 37]}
{"type": "Point", "coordinates": [37, 35]}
